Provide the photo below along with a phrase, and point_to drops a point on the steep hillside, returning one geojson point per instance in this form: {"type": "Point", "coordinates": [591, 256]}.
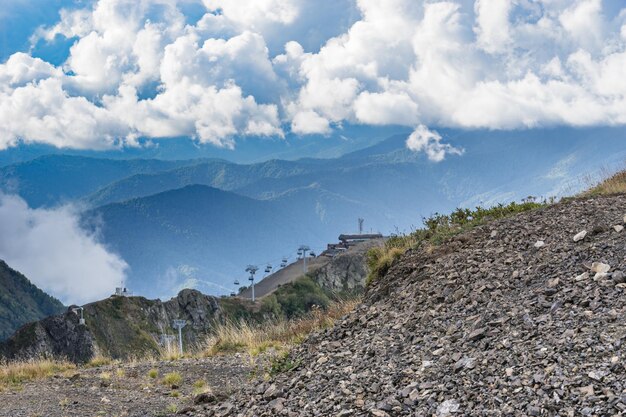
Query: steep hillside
{"type": "Point", "coordinates": [521, 316]}
{"type": "Point", "coordinates": [343, 275]}
{"type": "Point", "coordinates": [21, 302]}
{"type": "Point", "coordinates": [117, 327]}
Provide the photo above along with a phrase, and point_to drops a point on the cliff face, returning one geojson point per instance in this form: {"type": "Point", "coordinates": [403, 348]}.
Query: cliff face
{"type": "Point", "coordinates": [347, 271]}
{"type": "Point", "coordinates": [57, 336]}
{"type": "Point", "coordinates": [119, 327]}
{"type": "Point", "coordinates": [22, 302]}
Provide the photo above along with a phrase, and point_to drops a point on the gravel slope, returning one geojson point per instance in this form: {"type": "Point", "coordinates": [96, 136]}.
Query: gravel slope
{"type": "Point", "coordinates": [491, 323]}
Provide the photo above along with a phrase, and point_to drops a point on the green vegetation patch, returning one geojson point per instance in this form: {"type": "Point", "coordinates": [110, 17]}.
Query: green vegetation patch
{"type": "Point", "coordinates": [282, 363]}
{"type": "Point", "coordinates": [295, 299]}
{"type": "Point", "coordinates": [439, 228]}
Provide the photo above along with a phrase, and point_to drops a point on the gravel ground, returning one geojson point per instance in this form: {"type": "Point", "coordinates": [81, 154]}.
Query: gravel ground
{"type": "Point", "coordinates": [126, 390]}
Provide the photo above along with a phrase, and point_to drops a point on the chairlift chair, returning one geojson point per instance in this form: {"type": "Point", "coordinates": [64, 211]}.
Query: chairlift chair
{"type": "Point", "coordinates": [236, 282]}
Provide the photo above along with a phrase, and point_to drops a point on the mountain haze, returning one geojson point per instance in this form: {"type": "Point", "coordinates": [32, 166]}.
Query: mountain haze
{"type": "Point", "coordinates": [198, 223]}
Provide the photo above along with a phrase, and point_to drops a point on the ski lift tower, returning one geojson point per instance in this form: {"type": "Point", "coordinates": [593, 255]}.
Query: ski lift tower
{"type": "Point", "coordinates": [166, 341]}
{"type": "Point", "coordinates": [304, 249]}
{"type": "Point", "coordinates": [252, 270]}
{"type": "Point", "coordinates": [179, 324]}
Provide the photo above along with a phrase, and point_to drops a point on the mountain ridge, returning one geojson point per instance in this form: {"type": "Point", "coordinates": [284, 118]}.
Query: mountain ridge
{"type": "Point", "coordinates": [22, 302]}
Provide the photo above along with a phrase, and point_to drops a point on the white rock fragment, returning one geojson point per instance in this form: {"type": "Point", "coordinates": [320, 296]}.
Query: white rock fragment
{"type": "Point", "coordinates": [600, 275]}
{"type": "Point", "coordinates": [448, 407]}
{"type": "Point", "coordinates": [597, 375]}
{"type": "Point", "coordinates": [582, 277]}
{"type": "Point", "coordinates": [540, 244]}
{"type": "Point", "coordinates": [624, 219]}
{"type": "Point", "coordinates": [618, 228]}
{"type": "Point", "coordinates": [580, 236]}
{"type": "Point", "coordinates": [599, 267]}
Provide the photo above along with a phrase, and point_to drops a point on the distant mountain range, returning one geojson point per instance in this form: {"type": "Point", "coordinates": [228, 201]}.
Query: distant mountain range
{"type": "Point", "coordinates": [200, 222]}
{"type": "Point", "coordinates": [21, 302]}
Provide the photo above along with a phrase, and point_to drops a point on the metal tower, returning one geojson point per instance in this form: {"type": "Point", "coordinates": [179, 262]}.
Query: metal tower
{"type": "Point", "coordinates": [361, 221]}
{"type": "Point", "coordinates": [252, 270]}
{"type": "Point", "coordinates": [179, 324]}
{"type": "Point", "coordinates": [304, 249]}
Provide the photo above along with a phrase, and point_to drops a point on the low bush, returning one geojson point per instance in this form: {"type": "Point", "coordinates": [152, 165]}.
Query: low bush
{"type": "Point", "coordinates": [437, 229]}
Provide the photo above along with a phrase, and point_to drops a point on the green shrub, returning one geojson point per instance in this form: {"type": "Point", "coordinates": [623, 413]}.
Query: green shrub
{"type": "Point", "coordinates": [379, 260]}
{"type": "Point", "coordinates": [282, 363]}
{"type": "Point", "coordinates": [299, 297]}
{"type": "Point", "coordinates": [437, 229]}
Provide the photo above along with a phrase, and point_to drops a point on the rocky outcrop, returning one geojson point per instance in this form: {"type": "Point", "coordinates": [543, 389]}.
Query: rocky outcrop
{"type": "Point", "coordinates": [119, 327]}
{"type": "Point", "coordinates": [53, 337]}
{"type": "Point", "coordinates": [488, 323]}
{"type": "Point", "coordinates": [346, 272]}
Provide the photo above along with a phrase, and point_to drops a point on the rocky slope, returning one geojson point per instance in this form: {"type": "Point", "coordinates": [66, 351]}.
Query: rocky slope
{"type": "Point", "coordinates": [511, 318]}
{"type": "Point", "coordinates": [346, 272]}
{"type": "Point", "coordinates": [22, 302]}
{"type": "Point", "coordinates": [117, 327]}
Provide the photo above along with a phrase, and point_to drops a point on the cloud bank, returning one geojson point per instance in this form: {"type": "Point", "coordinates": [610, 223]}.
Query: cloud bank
{"type": "Point", "coordinates": [49, 247]}
{"type": "Point", "coordinates": [144, 68]}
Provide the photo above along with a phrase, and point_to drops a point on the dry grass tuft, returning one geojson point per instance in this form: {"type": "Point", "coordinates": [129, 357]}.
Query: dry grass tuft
{"type": "Point", "coordinates": [100, 360]}
{"type": "Point", "coordinates": [611, 184]}
{"type": "Point", "coordinates": [16, 373]}
{"type": "Point", "coordinates": [173, 379]}
{"type": "Point", "coordinates": [257, 338]}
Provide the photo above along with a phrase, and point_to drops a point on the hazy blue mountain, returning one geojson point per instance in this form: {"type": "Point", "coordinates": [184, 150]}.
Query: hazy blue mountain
{"type": "Point", "coordinates": [53, 179]}
{"type": "Point", "coordinates": [497, 166]}
{"type": "Point", "coordinates": [205, 237]}
{"type": "Point", "coordinates": [248, 150]}
{"type": "Point", "coordinates": [216, 173]}
{"type": "Point", "coordinates": [21, 302]}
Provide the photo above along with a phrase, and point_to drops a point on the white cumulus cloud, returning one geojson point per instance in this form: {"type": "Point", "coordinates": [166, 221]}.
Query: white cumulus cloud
{"type": "Point", "coordinates": [260, 68]}
{"type": "Point", "coordinates": [49, 247]}
{"type": "Point", "coordinates": [429, 142]}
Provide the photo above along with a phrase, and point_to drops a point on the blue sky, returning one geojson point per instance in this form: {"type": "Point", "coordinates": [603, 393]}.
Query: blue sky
{"type": "Point", "coordinates": [103, 74]}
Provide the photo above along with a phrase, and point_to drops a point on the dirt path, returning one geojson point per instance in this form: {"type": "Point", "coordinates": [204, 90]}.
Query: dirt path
{"type": "Point", "coordinates": [126, 390]}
